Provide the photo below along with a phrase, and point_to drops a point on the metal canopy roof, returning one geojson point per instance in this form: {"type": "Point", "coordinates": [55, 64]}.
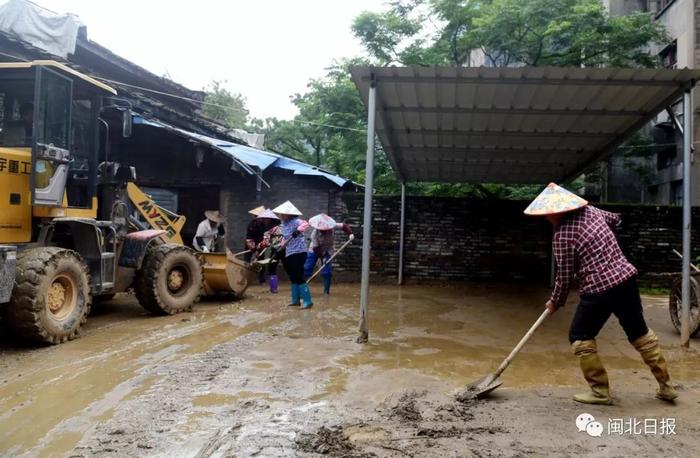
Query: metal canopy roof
{"type": "Point", "coordinates": [511, 125]}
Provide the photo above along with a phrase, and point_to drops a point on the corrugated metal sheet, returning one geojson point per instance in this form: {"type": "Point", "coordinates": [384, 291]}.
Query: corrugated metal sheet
{"type": "Point", "coordinates": [511, 125]}
{"type": "Point", "coordinates": [247, 157]}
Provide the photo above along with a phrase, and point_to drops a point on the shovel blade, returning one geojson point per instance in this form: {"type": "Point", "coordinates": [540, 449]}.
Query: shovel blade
{"type": "Point", "coordinates": [484, 386]}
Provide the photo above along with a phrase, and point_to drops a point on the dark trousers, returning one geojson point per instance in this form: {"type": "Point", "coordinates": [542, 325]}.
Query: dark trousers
{"type": "Point", "coordinates": [294, 266]}
{"type": "Point", "coordinates": [274, 261]}
{"type": "Point", "coordinates": [594, 310]}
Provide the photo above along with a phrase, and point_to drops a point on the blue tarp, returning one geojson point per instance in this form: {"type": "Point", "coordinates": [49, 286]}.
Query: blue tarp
{"type": "Point", "coordinates": [247, 156]}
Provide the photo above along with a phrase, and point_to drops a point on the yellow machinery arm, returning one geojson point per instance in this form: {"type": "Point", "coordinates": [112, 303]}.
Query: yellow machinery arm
{"type": "Point", "coordinates": [223, 273]}
{"type": "Point", "coordinates": [156, 216]}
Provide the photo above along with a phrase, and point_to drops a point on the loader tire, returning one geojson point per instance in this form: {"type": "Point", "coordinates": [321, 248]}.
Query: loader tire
{"type": "Point", "coordinates": [170, 280]}
{"type": "Point", "coordinates": [51, 298]}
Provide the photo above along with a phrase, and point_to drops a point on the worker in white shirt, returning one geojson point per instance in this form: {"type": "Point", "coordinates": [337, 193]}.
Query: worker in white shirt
{"type": "Point", "coordinates": [209, 231]}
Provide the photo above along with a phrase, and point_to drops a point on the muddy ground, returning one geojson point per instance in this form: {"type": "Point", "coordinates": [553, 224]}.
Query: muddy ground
{"type": "Point", "coordinates": [254, 378]}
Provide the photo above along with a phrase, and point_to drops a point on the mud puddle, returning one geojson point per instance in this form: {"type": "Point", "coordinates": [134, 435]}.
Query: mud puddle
{"type": "Point", "coordinates": [255, 378]}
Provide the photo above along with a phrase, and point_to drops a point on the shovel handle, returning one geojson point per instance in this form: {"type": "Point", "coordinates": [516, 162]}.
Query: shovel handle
{"type": "Point", "coordinates": [239, 254]}
{"type": "Point", "coordinates": [506, 362]}
{"type": "Point", "coordinates": [329, 260]}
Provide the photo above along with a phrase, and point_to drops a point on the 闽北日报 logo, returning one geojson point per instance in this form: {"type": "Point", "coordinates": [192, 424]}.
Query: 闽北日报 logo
{"type": "Point", "coordinates": [586, 423]}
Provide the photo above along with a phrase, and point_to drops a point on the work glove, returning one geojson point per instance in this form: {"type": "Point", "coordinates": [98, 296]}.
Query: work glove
{"type": "Point", "coordinates": [205, 249]}
{"type": "Point", "coordinates": [351, 237]}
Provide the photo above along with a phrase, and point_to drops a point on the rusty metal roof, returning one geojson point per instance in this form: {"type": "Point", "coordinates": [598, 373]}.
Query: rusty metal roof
{"type": "Point", "coordinates": [511, 125]}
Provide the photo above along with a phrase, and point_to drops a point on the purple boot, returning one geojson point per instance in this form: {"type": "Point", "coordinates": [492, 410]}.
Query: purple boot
{"type": "Point", "coordinates": [273, 284]}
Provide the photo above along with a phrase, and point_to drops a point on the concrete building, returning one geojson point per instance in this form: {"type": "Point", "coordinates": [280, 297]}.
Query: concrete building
{"type": "Point", "coordinates": [655, 175]}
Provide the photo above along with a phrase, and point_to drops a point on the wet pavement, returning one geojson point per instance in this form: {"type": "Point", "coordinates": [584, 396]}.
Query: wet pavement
{"type": "Point", "coordinates": [247, 378]}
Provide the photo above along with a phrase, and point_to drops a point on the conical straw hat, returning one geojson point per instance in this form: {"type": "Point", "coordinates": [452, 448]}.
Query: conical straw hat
{"type": "Point", "coordinates": [555, 199]}
{"type": "Point", "coordinates": [322, 222]}
{"type": "Point", "coordinates": [257, 210]}
{"type": "Point", "coordinates": [268, 214]}
{"type": "Point", "coordinates": [215, 215]}
{"type": "Point", "coordinates": [287, 208]}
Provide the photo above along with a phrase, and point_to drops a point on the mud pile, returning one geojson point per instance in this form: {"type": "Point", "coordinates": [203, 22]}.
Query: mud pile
{"type": "Point", "coordinates": [327, 441]}
{"type": "Point", "coordinates": [406, 409]}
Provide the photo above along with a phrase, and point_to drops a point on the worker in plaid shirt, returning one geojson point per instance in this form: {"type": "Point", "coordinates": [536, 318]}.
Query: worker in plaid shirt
{"type": "Point", "coordinates": [586, 252]}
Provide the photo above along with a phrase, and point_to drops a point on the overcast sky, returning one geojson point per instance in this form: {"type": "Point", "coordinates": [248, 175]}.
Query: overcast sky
{"type": "Point", "coordinates": [265, 49]}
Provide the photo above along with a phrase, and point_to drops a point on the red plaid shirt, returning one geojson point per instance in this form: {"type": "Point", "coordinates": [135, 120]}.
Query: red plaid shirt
{"type": "Point", "coordinates": [586, 250]}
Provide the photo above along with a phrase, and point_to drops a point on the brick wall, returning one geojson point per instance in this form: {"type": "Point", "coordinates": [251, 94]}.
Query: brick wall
{"type": "Point", "coordinates": [458, 239]}
{"type": "Point", "coordinates": [446, 239]}
{"type": "Point", "coordinates": [311, 195]}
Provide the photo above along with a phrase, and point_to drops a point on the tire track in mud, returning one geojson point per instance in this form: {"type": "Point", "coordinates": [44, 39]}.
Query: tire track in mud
{"type": "Point", "coordinates": [164, 420]}
{"type": "Point", "coordinates": [108, 378]}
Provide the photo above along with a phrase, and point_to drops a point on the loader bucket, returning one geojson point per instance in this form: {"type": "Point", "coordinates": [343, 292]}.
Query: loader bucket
{"type": "Point", "coordinates": [226, 274]}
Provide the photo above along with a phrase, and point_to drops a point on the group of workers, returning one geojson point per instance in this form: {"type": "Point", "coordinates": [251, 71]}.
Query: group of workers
{"type": "Point", "coordinates": [584, 247]}
{"type": "Point", "coordinates": [276, 235]}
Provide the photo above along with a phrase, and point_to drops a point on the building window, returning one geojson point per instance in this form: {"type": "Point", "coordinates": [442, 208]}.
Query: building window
{"type": "Point", "coordinates": [677, 192]}
{"type": "Point", "coordinates": [666, 157]}
{"type": "Point", "coordinates": [653, 194]}
{"type": "Point", "coordinates": [669, 56]}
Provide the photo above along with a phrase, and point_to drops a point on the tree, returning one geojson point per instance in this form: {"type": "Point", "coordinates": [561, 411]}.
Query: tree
{"type": "Point", "coordinates": [506, 32]}
{"type": "Point", "coordinates": [225, 107]}
{"type": "Point", "coordinates": [330, 130]}
{"type": "Point", "coordinates": [564, 33]}
{"type": "Point", "coordinates": [532, 32]}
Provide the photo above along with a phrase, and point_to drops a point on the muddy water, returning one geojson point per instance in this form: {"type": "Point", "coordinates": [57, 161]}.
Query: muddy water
{"type": "Point", "coordinates": [171, 380]}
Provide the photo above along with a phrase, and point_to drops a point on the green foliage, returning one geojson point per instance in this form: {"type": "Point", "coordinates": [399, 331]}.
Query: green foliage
{"type": "Point", "coordinates": [653, 291]}
{"type": "Point", "coordinates": [224, 106]}
{"type": "Point", "coordinates": [532, 32]}
{"type": "Point", "coordinates": [330, 129]}
{"type": "Point", "coordinates": [636, 153]}
{"type": "Point", "coordinates": [564, 33]}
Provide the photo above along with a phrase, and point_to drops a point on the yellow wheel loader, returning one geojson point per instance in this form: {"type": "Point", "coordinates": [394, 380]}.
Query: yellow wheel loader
{"type": "Point", "coordinates": [65, 236]}
{"type": "Point", "coordinates": [223, 271]}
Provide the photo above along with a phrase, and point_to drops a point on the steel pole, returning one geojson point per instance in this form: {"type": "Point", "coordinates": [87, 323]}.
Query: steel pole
{"type": "Point", "coordinates": [402, 233]}
{"type": "Point", "coordinates": [367, 222]}
{"type": "Point", "coordinates": [687, 209]}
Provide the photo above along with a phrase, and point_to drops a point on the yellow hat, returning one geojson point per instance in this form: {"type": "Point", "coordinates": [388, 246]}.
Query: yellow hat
{"type": "Point", "coordinates": [555, 199]}
{"type": "Point", "coordinates": [257, 210]}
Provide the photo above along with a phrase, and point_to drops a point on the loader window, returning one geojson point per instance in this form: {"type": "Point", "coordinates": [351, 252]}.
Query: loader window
{"type": "Point", "coordinates": [81, 177]}
{"type": "Point", "coordinates": [53, 119]}
{"type": "Point", "coordinates": [51, 150]}
{"type": "Point", "coordinates": [16, 111]}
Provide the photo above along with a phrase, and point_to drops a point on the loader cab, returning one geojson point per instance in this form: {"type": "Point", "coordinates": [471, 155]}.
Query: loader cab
{"type": "Point", "coordinates": [49, 128]}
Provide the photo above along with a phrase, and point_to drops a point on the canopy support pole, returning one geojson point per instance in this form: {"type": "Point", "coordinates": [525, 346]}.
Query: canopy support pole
{"type": "Point", "coordinates": [687, 211]}
{"type": "Point", "coordinates": [363, 336]}
{"type": "Point", "coordinates": [402, 233]}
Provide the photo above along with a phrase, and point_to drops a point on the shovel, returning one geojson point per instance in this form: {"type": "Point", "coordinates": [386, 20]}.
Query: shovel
{"type": "Point", "coordinates": [485, 385]}
{"type": "Point", "coordinates": [330, 259]}
{"type": "Point", "coordinates": [230, 253]}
